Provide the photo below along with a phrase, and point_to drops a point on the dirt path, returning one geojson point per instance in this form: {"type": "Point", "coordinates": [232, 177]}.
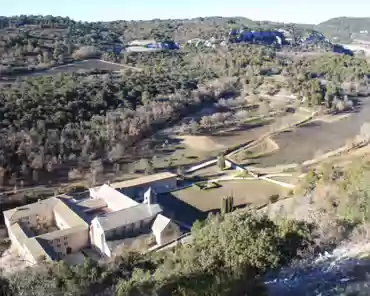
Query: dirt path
{"type": "Point", "coordinates": [122, 65]}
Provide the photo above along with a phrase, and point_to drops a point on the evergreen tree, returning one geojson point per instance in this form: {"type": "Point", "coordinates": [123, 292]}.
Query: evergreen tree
{"type": "Point", "coordinates": [221, 161]}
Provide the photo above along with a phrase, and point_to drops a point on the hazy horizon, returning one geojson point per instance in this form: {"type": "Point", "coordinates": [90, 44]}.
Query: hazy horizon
{"type": "Point", "coordinates": [287, 11]}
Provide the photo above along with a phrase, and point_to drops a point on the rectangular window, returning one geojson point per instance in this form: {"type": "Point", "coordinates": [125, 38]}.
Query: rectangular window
{"type": "Point", "coordinates": [66, 237]}
{"type": "Point", "coordinates": [58, 245]}
{"type": "Point", "coordinates": [66, 243]}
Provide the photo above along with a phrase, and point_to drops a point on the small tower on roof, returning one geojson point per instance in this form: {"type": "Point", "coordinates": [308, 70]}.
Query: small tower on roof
{"type": "Point", "coordinates": [150, 196]}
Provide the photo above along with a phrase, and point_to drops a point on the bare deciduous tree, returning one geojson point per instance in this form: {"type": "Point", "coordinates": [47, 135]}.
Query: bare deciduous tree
{"type": "Point", "coordinates": [365, 132]}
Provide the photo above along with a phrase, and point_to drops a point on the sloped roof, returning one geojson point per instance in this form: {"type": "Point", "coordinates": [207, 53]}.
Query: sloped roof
{"type": "Point", "coordinates": [92, 204]}
{"type": "Point", "coordinates": [143, 180]}
{"type": "Point", "coordinates": [115, 199]}
{"type": "Point", "coordinates": [128, 216]}
{"type": "Point", "coordinates": [47, 205]}
{"type": "Point", "coordinates": [18, 213]}
{"type": "Point", "coordinates": [141, 49]}
{"type": "Point", "coordinates": [38, 251]}
{"type": "Point", "coordinates": [141, 42]}
{"type": "Point", "coordinates": [62, 232]}
{"type": "Point", "coordinates": [36, 245]}
{"type": "Point", "coordinates": [160, 223]}
{"type": "Point", "coordinates": [69, 216]}
{"type": "Point", "coordinates": [32, 244]}
{"type": "Point", "coordinates": [18, 232]}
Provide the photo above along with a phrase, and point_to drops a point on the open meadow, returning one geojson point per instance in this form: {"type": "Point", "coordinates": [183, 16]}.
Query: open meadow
{"type": "Point", "coordinates": [315, 138]}
{"type": "Point", "coordinates": [193, 203]}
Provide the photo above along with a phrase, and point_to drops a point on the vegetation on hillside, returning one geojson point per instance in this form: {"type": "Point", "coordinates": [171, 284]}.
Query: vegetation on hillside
{"type": "Point", "coordinates": [49, 125]}
{"type": "Point", "coordinates": [50, 121]}
{"type": "Point", "coordinates": [63, 125]}
{"type": "Point", "coordinates": [29, 43]}
{"type": "Point", "coordinates": [346, 29]}
{"type": "Point", "coordinates": [342, 191]}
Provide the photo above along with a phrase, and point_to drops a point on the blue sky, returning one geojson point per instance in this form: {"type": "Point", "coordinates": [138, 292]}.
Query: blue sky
{"type": "Point", "coordinates": [303, 11]}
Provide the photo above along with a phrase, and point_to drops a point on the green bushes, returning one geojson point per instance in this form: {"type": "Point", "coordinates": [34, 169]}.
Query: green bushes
{"type": "Point", "coordinates": [227, 256]}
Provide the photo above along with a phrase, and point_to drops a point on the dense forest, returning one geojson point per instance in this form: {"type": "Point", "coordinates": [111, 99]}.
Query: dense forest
{"type": "Point", "coordinates": [51, 125]}
{"type": "Point", "coordinates": [29, 43]}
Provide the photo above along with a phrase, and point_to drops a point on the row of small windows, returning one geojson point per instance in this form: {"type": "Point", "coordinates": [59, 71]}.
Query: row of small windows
{"type": "Point", "coordinates": [58, 240]}
{"type": "Point", "coordinates": [65, 244]}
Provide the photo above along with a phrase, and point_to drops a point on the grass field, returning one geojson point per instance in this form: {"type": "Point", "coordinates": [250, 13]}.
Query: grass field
{"type": "Point", "coordinates": [190, 149]}
{"type": "Point", "coordinates": [192, 203]}
{"type": "Point", "coordinates": [246, 155]}
{"type": "Point", "coordinates": [246, 192]}
{"type": "Point", "coordinates": [315, 138]}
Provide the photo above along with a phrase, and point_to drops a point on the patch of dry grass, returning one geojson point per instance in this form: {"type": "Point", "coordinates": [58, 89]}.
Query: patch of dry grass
{"type": "Point", "coordinates": [202, 143]}
{"type": "Point", "coordinates": [266, 146]}
{"type": "Point", "coordinates": [246, 192]}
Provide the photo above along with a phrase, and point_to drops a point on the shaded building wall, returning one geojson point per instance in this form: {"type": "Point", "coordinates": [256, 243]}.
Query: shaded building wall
{"type": "Point", "coordinates": [132, 230]}
{"type": "Point", "coordinates": [60, 222]}
{"type": "Point", "coordinates": [16, 242]}
{"type": "Point", "coordinates": [70, 243]}
{"type": "Point", "coordinates": [97, 238]}
{"type": "Point", "coordinates": [170, 233]}
{"type": "Point", "coordinates": [160, 186]}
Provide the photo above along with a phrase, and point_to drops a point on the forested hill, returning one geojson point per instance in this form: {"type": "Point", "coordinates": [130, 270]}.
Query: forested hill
{"type": "Point", "coordinates": [342, 29]}
{"type": "Point", "coordinates": [346, 29]}
{"type": "Point", "coordinates": [32, 42]}
{"type": "Point", "coordinates": [176, 29]}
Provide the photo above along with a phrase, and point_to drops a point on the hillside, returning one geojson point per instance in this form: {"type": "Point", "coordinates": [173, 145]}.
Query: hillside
{"type": "Point", "coordinates": [29, 43]}
{"type": "Point", "coordinates": [346, 29]}
{"type": "Point", "coordinates": [244, 126]}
